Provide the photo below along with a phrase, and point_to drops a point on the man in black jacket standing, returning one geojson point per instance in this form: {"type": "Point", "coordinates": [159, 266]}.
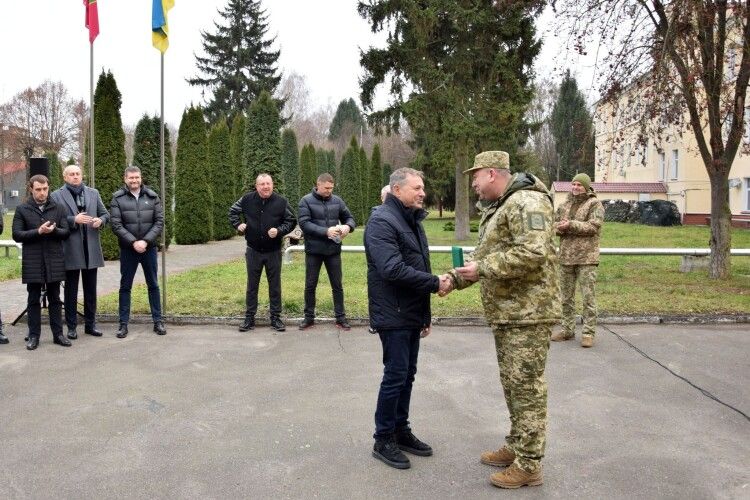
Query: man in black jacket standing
{"type": "Point", "coordinates": [41, 226]}
{"type": "Point", "coordinates": [267, 218]}
{"type": "Point", "coordinates": [137, 220]}
{"type": "Point", "coordinates": [399, 283]}
{"type": "Point", "coordinates": [325, 221]}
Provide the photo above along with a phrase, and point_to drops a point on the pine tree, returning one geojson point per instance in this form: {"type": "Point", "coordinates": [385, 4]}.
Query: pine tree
{"type": "Point", "coordinates": [109, 151]}
{"type": "Point", "coordinates": [376, 175]}
{"type": "Point", "coordinates": [347, 121]}
{"type": "Point", "coordinates": [308, 170]}
{"type": "Point", "coordinates": [572, 128]}
{"type": "Point", "coordinates": [221, 176]}
{"type": "Point", "coordinates": [262, 148]}
{"type": "Point", "coordinates": [236, 148]}
{"type": "Point", "coordinates": [55, 170]}
{"type": "Point", "coordinates": [193, 200]}
{"type": "Point", "coordinates": [290, 167]}
{"type": "Point", "coordinates": [238, 62]}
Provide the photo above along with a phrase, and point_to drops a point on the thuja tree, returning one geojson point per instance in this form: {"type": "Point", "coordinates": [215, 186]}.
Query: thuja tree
{"type": "Point", "coordinates": [262, 146]}
{"type": "Point", "coordinates": [236, 148]}
{"type": "Point", "coordinates": [290, 167]}
{"type": "Point", "coordinates": [308, 170]}
{"type": "Point", "coordinates": [221, 176]}
{"type": "Point", "coordinates": [193, 199]}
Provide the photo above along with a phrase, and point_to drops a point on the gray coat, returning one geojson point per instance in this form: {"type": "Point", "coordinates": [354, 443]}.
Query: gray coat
{"type": "Point", "coordinates": [73, 246]}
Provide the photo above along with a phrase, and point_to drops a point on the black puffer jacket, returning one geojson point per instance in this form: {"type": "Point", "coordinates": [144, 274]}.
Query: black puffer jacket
{"type": "Point", "coordinates": [43, 259]}
{"type": "Point", "coordinates": [316, 215]}
{"type": "Point", "coordinates": [260, 215]}
{"type": "Point", "coordinates": [399, 275]}
{"type": "Point", "coordinates": [136, 219]}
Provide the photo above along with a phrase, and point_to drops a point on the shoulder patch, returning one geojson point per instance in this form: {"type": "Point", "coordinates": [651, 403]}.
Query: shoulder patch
{"type": "Point", "coordinates": [535, 221]}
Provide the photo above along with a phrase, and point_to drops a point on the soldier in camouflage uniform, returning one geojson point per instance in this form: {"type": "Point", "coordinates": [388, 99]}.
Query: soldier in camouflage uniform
{"type": "Point", "coordinates": [578, 222]}
{"type": "Point", "coordinates": [516, 265]}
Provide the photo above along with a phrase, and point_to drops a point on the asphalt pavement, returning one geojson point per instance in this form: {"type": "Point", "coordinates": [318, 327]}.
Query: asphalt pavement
{"type": "Point", "coordinates": [652, 411]}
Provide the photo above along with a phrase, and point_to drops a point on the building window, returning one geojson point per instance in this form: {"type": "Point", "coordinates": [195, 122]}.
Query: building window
{"type": "Point", "coordinates": [675, 164]}
{"type": "Point", "coordinates": [662, 167]}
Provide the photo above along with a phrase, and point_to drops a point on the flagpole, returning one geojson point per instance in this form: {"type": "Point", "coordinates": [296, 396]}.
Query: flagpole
{"type": "Point", "coordinates": [91, 117]}
{"type": "Point", "coordinates": [164, 200]}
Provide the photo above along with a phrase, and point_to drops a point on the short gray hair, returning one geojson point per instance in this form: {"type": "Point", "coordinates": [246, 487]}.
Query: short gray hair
{"type": "Point", "coordinates": [398, 177]}
{"type": "Point", "coordinates": [132, 169]}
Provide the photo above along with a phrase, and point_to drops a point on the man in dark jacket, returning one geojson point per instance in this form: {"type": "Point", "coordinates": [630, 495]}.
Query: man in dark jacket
{"type": "Point", "coordinates": [399, 283]}
{"type": "Point", "coordinates": [267, 218]}
{"type": "Point", "coordinates": [41, 226]}
{"type": "Point", "coordinates": [86, 216]}
{"type": "Point", "coordinates": [137, 219]}
{"type": "Point", "coordinates": [325, 221]}
{"type": "Point", "coordinates": [3, 338]}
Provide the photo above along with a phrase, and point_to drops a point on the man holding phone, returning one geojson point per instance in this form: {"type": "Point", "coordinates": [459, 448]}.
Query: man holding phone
{"type": "Point", "coordinates": [41, 226]}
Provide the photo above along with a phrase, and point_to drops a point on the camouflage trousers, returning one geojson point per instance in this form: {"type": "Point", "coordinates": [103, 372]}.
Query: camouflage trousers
{"type": "Point", "coordinates": [586, 277]}
{"type": "Point", "coordinates": [522, 356]}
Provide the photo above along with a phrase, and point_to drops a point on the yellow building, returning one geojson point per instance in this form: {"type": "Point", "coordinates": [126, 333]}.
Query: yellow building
{"type": "Point", "coordinates": [670, 158]}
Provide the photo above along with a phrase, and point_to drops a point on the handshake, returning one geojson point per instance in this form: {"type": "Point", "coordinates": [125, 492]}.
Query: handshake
{"type": "Point", "coordinates": [469, 272]}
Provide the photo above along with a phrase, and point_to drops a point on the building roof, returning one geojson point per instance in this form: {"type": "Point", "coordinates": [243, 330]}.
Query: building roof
{"type": "Point", "coordinates": [10, 167]}
{"type": "Point", "coordinates": [615, 187]}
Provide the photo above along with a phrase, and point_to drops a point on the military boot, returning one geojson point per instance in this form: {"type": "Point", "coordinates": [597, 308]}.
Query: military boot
{"type": "Point", "coordinates": [587, 341]}
{"type": "Point", "coordinates": [562, 336]}
{"type": "Point", "coordinates": [500, 458]}
{"type": "Point", "coordinates": [514, 477]}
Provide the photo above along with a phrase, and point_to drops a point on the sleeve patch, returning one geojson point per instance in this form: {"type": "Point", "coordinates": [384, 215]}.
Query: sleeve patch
{"type": "Point", "coordinates": [535, 221]}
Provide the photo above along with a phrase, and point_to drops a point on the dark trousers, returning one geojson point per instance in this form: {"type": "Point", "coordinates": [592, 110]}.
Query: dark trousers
{"type": "Point", "coordinates": [256, 261]}
{"type": "Point", "coordinates": [35, 309]}
{"type": "Point", "coordinates": [129, 260]}
{"type": "Point", "coordinates": [88, 279]}
{"type": "Point", "coordinates": [312, 271]}
{"type": "Point", "coordinates": [400, 351]}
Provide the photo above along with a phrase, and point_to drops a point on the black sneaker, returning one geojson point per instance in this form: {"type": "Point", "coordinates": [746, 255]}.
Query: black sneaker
{"type": "Point", "coordinates": [159, 328]}
{"type": "Point", "coordinates": [278, 325]}
{"type": "Point", "coordinates": [247, 325]}
{"type": "Point", "coordinates": [408, 442]}
{"type": "Point", "coordinates": [387, 451]}
{"type": "Point", "coordinates": [306, 323]}
{"type": "Point", "coordinates": [343, 324]}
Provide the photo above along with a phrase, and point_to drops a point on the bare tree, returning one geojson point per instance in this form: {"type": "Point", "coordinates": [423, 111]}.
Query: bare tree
{"type": "Point", "coordinates": [541, 141]}
{"type": "Point", "coordinates": [294, 89]}
{"type": "Point", "coordinates": [690, 60]}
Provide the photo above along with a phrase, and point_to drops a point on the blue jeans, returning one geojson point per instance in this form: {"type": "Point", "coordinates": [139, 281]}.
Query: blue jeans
{"type": "Point", "coordinates": [400, 351]}
{"type": "Point", "coordinates": [129, 260]}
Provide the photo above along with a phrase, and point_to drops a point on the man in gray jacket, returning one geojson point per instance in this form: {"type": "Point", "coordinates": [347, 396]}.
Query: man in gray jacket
{"type": "Point", "coordinates": [86, 217]}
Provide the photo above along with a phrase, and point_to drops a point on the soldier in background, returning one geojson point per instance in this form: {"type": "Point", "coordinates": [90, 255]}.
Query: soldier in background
{"type": "Point", "coordinates": [579, 223]}
{"type": "Point", "coordinates": [516, 263]}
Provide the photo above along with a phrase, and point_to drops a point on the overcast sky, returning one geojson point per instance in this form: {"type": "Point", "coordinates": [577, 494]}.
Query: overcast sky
{"type": "Point", "coordinates": [42, 39]}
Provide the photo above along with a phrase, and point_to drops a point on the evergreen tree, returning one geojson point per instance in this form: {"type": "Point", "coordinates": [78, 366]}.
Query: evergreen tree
{"type": "Point", "coordinates": [109, 151]}
{"type": "Point", "coordinates": [376, 175]}
{"type": "Point", "coordinates": [290, 167]}
{"type": "Point", "coordinates": [221, 176]}
{"type": "Point", "coordinates": [321, 160]}
{"type": "Point", "coordinates": [331, 166]}
{"type": "Point", "coordinates": [147, 156]}
{"type": "Point", "coordinates": [347, 121]}
{"type": "Point", "coordinates": [387, 171]}
{"type": "Point", "coordinates": [349, 185]}
{"type": "Point", "coordinates": [364, 186]}
{"type": "Point", "coordinates": [236, 148]}
{"type": "Point", "coordinates": [193, 200]}
{"type": "Point", "coordinates": [308, 170]}
{"type": "Point", "coordinates": [238, 63]}
{"type": "Point", "coordinates": [71, 161]}
{"type": "Point", "coordinates": [55, 170]}
{"type": "Point", "coordinates": [262, 148]}
{"type": "Point", "coordinates": [572, 128]}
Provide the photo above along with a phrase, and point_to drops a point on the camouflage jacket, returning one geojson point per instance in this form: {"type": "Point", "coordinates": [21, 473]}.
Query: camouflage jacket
{"type": "Point", "coordinates": [516, 256]}
{"type": "Point", "coordinates": [579, 244]}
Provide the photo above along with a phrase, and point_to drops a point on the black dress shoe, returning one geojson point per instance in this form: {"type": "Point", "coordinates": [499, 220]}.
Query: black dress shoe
{"type": "Point", "coordinates": [32, 343]}
{"type": "Point", "coordinates": [93, 332]}
{"type": "Point", "coordinates": [3, 338]}
{"type": "Point", "coordinates": [72, 333]}
{"type": "Point", "coordinates": [409, 442]}
{"type": "Point", "coordinates": [278, 325]}
{"type": "Point", "coordinates": [387, 451]}
{"type": "Point", "coordinates": [247, 325]}
{"type": "Point", "coordinates": [159, 328]}
{"type": "Point", "coordinates": [61, 340]}
{"type": "Point", "coordinates": [343, 324]}
{"type": "Point", "coordinates": [123, 331]}
{"type": "Point", "coordinates": [306, 323]}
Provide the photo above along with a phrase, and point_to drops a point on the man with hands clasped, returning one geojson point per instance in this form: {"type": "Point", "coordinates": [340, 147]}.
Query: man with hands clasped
{"type": "Point", "coordinates": [399, 284]}
{"type": "Point", "coordinates": [516, 265]}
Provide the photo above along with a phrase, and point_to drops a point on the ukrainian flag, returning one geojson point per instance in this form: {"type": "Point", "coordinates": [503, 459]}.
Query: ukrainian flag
{"type": "Point", "coordinates": [159, 28]}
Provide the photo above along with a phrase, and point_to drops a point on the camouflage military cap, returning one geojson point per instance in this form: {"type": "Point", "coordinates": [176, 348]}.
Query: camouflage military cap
{"type": "Point", "coordinates": [490, 159]}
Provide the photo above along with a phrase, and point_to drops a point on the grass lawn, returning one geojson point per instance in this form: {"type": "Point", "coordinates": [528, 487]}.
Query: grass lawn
{"type": "Point", "coordinates": [626, 285]}
{"type": "Point", "coordinates": [10, 268]}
